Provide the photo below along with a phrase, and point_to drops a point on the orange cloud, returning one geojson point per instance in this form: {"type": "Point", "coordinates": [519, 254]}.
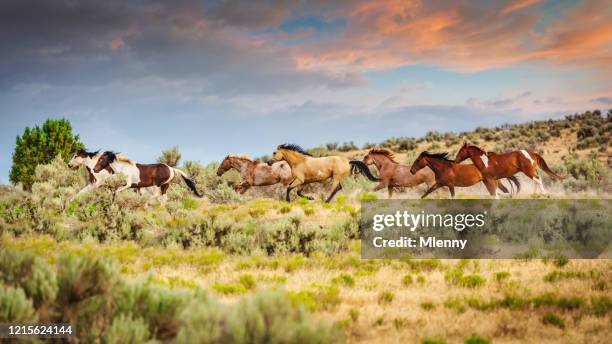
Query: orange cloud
{"type": "Point", "coordinates": [464, 36]}
{"type": "Point", "coordinates": [519, 5]}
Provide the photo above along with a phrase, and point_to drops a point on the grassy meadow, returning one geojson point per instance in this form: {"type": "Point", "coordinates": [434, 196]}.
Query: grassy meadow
{"type": "Point", "coordinates": [232, 268]}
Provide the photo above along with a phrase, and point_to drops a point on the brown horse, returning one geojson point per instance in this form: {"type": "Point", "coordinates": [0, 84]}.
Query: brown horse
{"type": "Point", "coordinates": [254, 173]}
{"type": "Point", "coordinates": [504, 165]}
{"type": "Point", "coordinates": [307, 169]}
{"type": "Point", "coordinates": [139, 175]}
{"type": "Point", "coordinates": [393, 174]}
{"type": "Point", "coordinates": [451, 174]}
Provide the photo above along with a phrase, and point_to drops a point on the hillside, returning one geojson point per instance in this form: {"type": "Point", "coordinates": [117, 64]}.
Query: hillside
{"type": "Point", "coordinates": [196, 269]}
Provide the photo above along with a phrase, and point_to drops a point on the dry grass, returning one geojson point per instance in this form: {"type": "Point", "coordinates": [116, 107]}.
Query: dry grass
{"type": "Point", "coordinates": [423, 309]}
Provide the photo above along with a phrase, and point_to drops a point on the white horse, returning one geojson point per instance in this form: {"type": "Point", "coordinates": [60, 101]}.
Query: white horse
{"type": "Point", "coordinates": [89, 160]}
{"type": "Point", "coordinates": [141, 175]}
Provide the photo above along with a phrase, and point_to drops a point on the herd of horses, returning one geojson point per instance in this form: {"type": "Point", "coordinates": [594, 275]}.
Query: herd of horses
{"type": "Point", "coordinates": [295, 168]}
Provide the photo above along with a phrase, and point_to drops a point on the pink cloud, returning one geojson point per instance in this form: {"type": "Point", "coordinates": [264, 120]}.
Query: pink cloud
{"type": "Point", "coordinates": [464, 36]}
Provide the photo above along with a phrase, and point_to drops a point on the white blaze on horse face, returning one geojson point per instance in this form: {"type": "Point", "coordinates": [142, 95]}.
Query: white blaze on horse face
{"type": "Point", "coordinates": [526, 154]}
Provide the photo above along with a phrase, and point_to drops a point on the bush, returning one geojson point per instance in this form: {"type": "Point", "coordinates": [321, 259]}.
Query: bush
{"type": "Point", "coordinates": [554, 320]}
{"type": "Point", "coordinates": [15, 307]}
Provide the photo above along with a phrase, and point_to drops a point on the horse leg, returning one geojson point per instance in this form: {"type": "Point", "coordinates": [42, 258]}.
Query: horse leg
{"type": "Point", "coordinates": [336, 187]}
{"type": "Point", "coordinates": [163, 189]}
{"type": "Point", "coordinates": [451, 189]}
{"type": "Point", "coordinates": [299, 193]}
{"type": "Point", "coordinates": [289, 188]}
{"type": "Point", "coordinates": [390, 190]}
{"type": "Point", "coordinates": [431, 189]}
{"type": "Point", "coordinates": [491, 185]}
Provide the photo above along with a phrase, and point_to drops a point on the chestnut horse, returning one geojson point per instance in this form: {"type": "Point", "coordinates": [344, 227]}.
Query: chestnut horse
{"type": "Point", "coordinates": [306, 169]}
{"type": "Point", "coordinates": [504, 165]}
{"type": "Point", "coordinates": [451, 174]}
{"type": "Point", "coordinates": [393, 174]}
{"type": "Point", "coordinates": [140, 175]}
{"type": "Point", "coordinates": [254, 173]}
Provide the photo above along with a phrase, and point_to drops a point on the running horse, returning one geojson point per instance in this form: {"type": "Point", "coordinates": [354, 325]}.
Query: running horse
{"type": "Point", "coordinates": [89, 160]}
{"type": "Point", "coordinates": [255, 173]}
{"type": "Point", "coordinates": [142, 175]}
{"type": "Point", "coordinates": [392, 174]}
{"type": "Point", "coordinates": [503, 165]}
{"type": "Point", "coordinates": [306, 169]}
{"type": "Point", "coordinates": [451, 174]}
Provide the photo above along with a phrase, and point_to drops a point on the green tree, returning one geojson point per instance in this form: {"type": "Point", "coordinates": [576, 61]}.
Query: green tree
{"type": "Point", "coordinates": [170, 157]}
{"type": "Point", "coordinates": [40, 145]}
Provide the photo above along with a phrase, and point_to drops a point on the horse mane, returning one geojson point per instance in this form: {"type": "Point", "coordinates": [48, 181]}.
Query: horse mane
{"type": "Point", "coordinates": [384, 152]}
{"type": "Point", "coordinates": [123, 158]}
{"type": "Point", "coordinates": [439, 156]}
{"type": "Point", "coordinates": [119, 157]}
{"type": "Point", "coordinates": [240, 156]}
{"type": "Point", "coordinates": [88, 154]}
{"type": "Point", "coordinates": [478, 149]}
{"type": "Point", "coordinates": [293, 147]}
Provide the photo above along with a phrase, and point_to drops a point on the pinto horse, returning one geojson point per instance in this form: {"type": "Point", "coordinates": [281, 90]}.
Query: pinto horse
{"type": "Point", "coordinates": [140, 175]}
{"type": "Point", "coordinates": [306, 169]}
{"type": "Point", "coordinates": [504, 165]}
{"type": "Point", "coordinates": [393, 174]}
{"type": "Point", "coordinates": [89, 160]}
{"type": "Point", "coordinates": [254, 173]}
{"type": "Point", "coordinates": [451, 174]}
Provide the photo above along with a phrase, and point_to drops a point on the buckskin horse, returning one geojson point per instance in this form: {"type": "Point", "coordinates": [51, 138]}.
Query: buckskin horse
{"type": "Point", "coordinates": [255, 173]}
{"type": "Point", "coordinates": [393, 174]}
{"type": "Point", "coordinates": [450, 174]}
{"type": "Point", "coordinates": [89, 160]}
{"type": "Point", "coordinates": [142, 175]}
{"type": "Point", "coordinates": [503, 165]}
{"type": "Point", "coordinates": [306, 169]}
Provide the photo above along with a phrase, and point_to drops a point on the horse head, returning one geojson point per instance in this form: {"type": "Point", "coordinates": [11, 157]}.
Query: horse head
{"type": "Point", "coordinates": [463, 153]}
{"type": "Point", "coordinates": [226, 164]}
{"type": "Point", "coordinates": [105, 160]}
{"type": "Point", "coordinates": [77, 159]}
{"type": "Point", "coordinates": [419, 163]}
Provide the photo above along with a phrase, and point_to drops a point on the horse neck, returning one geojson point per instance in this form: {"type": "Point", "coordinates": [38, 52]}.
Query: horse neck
{"type": "Point", "coordinates": [238, 164]}
{"type": "Point", "coordinates": [382, 161]}
{"type": "Point", "coordinates": [476, 156]}
{"type": "Point", "coordinates": [122, 166]}
{"type": "Point", "coordinates": [438, 166]}
{"type": "Point", "coordinates": [293, 158]}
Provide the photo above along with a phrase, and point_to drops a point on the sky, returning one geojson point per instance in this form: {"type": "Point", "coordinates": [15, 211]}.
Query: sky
{"type": "Point", "coordinates": [220, 77]}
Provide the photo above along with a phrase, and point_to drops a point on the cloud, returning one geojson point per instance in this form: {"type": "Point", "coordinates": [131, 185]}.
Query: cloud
{"type": "Point", "coordinates": [519, 5]}
{"type": "Point", "coordinates": [603, 100]}
{"type": "Point", "coordinates": [97, 43]}
{"type": "Point", "coordinates": [465, 36]}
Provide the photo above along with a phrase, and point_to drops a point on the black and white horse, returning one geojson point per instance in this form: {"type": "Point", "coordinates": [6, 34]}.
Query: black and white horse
{"type": "Point", "coordinates": [142, 175]}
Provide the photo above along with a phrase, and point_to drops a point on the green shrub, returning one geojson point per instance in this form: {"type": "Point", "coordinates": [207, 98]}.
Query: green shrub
{"type": "Point", "coordinates": [319, 298]}
{"type": "Point", "coordinates": [345, 280]}
{"type": "Point", "coordinates": [385, 297]}
{"type": "Point", "coordinates": [501, 276]}
{"type": "Point", "coordinates": [432, 341]}
{"type": "Point", "coordinates": [248, 281]}
{"type": "Point", "coordinates": [554, 320]}
{"type": "Point", "coordinates": [476, 340]}
{"type": "Point", "coordinates": [407, 280]}
{"type": "Point", "coordinates": [24, 270]}
{"type": "Point", "coordinates": [126, 330]}
{"type": "Point", "coordinates": [15, 307]}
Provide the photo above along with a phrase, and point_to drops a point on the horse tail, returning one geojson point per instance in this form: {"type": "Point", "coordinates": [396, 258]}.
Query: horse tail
{"type": "Point", "coordinates": [190, 183]}
{"type": "Point", "coordinates": [362, 168]}
{"type": "Point", "coordinates": [515, 180]}
{"type": "Point", "coordinates": [542, 164]}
